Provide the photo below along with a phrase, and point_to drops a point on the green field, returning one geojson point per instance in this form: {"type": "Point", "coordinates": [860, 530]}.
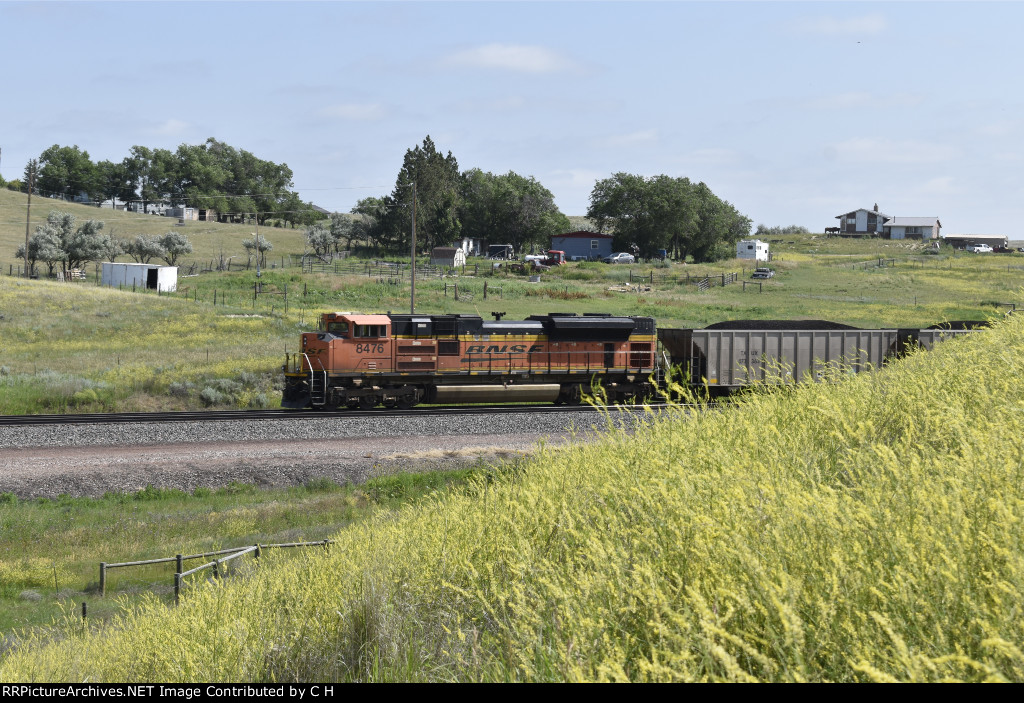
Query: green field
{"type": "Point", "coordinates": [50, 550]}
{"type": "Point", "coordinates": [833, 532]}
{"type": "Point", "coordinates": [858, 529]}
{"type": "Point", "coordinates": [77, 346]}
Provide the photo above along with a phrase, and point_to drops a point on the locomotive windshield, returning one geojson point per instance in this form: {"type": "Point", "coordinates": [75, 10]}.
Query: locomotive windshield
{"type": "Point", "coordinates": [338, 329]}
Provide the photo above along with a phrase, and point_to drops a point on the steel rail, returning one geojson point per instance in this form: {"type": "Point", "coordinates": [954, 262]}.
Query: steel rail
{"type": "Point", "coordinates": [250, 415]}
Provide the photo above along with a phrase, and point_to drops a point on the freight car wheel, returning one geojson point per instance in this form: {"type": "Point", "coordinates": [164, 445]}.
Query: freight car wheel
{"type": "Point", "coordinates": [367, 402]}
{"type": "Point", "coordinates": [570, 394]}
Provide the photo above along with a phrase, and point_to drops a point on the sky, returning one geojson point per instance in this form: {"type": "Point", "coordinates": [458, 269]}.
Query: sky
{"type": "Point", "coordinates": [795, 112]}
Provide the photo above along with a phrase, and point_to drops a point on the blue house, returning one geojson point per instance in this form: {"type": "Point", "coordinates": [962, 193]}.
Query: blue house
{"type": "Point", "coordinates": [583, 245]}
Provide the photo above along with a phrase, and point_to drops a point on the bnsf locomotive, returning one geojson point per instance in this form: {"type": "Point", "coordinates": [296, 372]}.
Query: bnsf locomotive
{"type": "Point", "coordinates": [398, 361]}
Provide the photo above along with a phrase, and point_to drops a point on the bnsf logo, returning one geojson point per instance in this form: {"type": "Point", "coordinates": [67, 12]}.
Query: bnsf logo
{"type": "Point", "coordinates": [503, 349]}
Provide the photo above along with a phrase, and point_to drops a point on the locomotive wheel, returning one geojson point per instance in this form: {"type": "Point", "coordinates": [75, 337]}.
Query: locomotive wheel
{"type": "Point", "coordinates": [406, 401]}
{"type": "Point", "coordinates": [367, 402]}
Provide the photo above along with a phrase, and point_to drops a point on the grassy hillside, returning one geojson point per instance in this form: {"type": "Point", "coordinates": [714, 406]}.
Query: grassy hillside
{"type": "Point", "coordinates": [209, 239]}
{"type": "Point", "coordinates": [863, 530]}
{"type": "Point", "coordinates": [72, 347]}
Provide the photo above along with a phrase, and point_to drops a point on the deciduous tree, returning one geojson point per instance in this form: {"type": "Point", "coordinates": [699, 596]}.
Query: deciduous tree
{"type": "Point", "coordinates": [66, 171]}
{"type": "Point", "coordinates": [510, 209]}
{"type": "Point", "coordinates": [174, 245]}
{"type": "Point", "coordinates": [144, 248]}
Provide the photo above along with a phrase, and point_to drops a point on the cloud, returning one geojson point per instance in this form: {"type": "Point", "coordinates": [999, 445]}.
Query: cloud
{"type": "Point", "coordinates": [169, 128]}
{"type": "Point", "coordinates": [712, 156]}
{"type": "Point", "coordinates": [505, 104]}
{"type": "Point", "coordinates": [646, 136]}
{"type": "Point", "coordinates": [940, 185]}
{"type": "Point", "coordinates": [354, 111]}
{"type": "Point", "coordinates": [879, 151]}
{"type": "Point", "coordinates": [841, 26]}
{"type": "Point", "coordinates": [862, 99]}
{"type": "Point", "coordinates": [510, 57]}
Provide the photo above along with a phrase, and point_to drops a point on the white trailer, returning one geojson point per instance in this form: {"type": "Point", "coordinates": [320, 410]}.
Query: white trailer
{"type": "Point", "coordinates": [140, 276]}
{"type": "Point", "coordinates": [752, 249]}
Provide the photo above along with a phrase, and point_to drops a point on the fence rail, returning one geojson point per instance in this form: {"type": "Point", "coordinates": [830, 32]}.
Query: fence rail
{"type": "Point", "coordinates": [179, 560]}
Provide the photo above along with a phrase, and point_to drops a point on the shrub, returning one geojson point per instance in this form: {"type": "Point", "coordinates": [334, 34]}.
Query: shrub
{"type": "Point", "coordinates": [211, 396]}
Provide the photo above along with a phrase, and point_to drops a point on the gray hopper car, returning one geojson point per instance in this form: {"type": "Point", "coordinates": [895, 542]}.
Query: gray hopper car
{"type": "Point", "coordinates": [730, 358]}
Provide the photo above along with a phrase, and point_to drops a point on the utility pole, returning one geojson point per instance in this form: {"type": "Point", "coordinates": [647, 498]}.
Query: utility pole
{"type": "Point", "coordinates": [412, 275]}
{"type": "Point", "coordinates": [28, 211]}
{"type": "Point", "coordinates": [257, 246]}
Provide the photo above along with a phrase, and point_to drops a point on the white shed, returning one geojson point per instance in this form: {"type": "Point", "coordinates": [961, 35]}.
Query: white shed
{"type": "Point", "coordinates": [141, 276]}
{"type": "Point", "coordinates": [447, 256]}
{"type": "Point", "coordinates": [752, 249]}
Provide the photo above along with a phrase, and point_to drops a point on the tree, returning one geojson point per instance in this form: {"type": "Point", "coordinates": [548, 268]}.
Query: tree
{"type": "Point", "coordinates": [765, 231]}
{"type": "Point", "coordinates": [174, 245]}
{"type": "Point", "coordinates": [510, 209]}
{"type": "Point", "coordinates": [66, 171]}
{"type": "Point", "coordinates": [321, 240]}
{"type": "Point", "coordinates": [437, 185]}
{"type": "Point", "coordinates": [662, 212]}
{"type": "Point", "coordinates": [113, 182]}
{"type": "Point", "coordinates": [58, 241]}
{"type": "Point", "coordinates": [150, 173]}
{"type": "Point", "coordinates": [33, 254]}
{"type": "Point", "coordinates": [144, 248]}
{"type": "Point", "coordinates": [368, 227]}
{"type": "Point", "coordinates": [263, 245]}
{"type": "Point", "coordinates": [86, 244]}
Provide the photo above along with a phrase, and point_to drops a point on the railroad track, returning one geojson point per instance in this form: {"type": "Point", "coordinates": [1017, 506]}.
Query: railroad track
{"type": "Point", "coordinates": [234, 415]}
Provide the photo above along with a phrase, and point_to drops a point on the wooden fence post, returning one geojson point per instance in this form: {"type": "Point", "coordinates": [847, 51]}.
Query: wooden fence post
{"type": "Point", "coordinates": [103, 578]}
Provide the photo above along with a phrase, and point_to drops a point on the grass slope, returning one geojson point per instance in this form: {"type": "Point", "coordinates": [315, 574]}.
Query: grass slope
{"type": "Point", "coordinates": [863, 530]}
{"type": "Point", "coordinates": [209, 239]}
{"type": "Point", "coordinates": [50, 549]}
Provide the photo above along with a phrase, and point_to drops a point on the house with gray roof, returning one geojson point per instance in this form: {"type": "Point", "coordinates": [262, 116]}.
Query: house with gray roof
{"type": "Point", "coordinates": [912, 228]}
{"type": "Point", "coordinates": [872, 223]}
{"type": "Point", "coordinates": [862, 222]}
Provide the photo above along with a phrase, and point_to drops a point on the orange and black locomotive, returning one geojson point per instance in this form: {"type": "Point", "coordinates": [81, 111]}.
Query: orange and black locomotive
{"type": "Point", "coordinates": [401, 360]}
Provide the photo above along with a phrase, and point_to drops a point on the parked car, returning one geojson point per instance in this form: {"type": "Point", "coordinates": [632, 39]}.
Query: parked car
{"type": "Point", "coordinates": [980, 248]}
{"type": "Point", "coordinates": [762, 273]}
{"type": "Point", "coordinates": [620, 258]}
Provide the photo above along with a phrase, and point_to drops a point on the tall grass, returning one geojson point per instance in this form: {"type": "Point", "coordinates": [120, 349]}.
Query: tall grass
{"type": "Point", "coordinates": [865, 530]}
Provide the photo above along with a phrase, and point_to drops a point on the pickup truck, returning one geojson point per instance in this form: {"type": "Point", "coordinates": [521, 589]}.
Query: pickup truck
{"type": "Point", "coordinates": [762, 273]}
{"type": "Point", "coordinates": [979, 248]}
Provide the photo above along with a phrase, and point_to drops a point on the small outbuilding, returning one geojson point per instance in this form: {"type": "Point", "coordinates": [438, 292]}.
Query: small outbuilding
{"type": "Point", "coordinates": [140, 276]}
{"type": "Point", "coordinates": [961, 241]}
{"type": "Point", "coordinates": [447, 256]}
{"type": "Point", "coordinates": [583, 245]}
{"type": "Point", "coordinates": [753, 249]}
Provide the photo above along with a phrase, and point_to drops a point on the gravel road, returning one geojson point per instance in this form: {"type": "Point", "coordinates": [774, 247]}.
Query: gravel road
{"type": "Point", "coordinates": [89, 460]}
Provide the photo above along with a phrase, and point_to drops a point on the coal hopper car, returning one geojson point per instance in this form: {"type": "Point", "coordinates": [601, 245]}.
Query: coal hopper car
{"type": "Point", "coordinates": [730, 355]}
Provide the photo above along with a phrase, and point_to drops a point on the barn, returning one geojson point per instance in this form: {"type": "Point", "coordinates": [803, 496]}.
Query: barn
{"type": "Point", "coordinates": [163, 279]}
